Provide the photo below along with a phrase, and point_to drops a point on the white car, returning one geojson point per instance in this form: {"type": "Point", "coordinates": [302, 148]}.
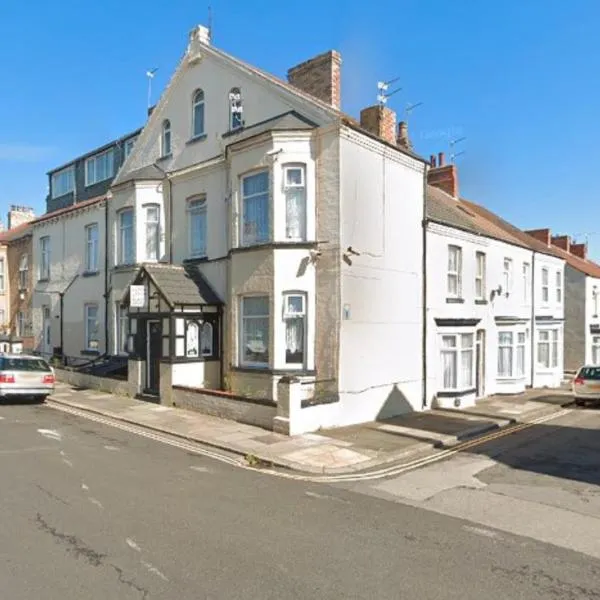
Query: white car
{"type": "Point", "coordinates": [23, 376]}
{"type": "Point", "coordinates": [586, 385]}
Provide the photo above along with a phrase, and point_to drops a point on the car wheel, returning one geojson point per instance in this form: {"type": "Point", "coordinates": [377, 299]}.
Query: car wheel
{"type": "Point", "coordinates": [39, 399]}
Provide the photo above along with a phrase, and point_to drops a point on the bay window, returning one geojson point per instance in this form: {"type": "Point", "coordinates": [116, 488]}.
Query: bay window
{"type": "Point", "coordinates": [520, 354]}
{"type": "Point", "coordinates": [457, 361]}
{"type": "Point", "coordinates": [454, 274]}
{"type": "Point", "coordinates": [255, 209]}
{"type": "Point", "coordinates": [122, 328]}
{"type": "Point", "coordinates": [152, 218]}
{"type": "Point", "coordinates": [294, 317]}
{"type": "Point", "coordinates": [197, 227]}
{"type": "Point", "coordinates": [295, 202]}
{"type": "Point", "coordinates": [126, 255]}
{"type": "Point", "coordinates": [547, 348]}
{"type": "Point", "coordinates": [506, 354]}
{"type": "Point", "coordinates": [254, 331]}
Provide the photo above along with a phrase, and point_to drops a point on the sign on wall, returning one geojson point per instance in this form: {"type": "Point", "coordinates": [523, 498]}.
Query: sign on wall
{"type": "Point", "coordinates": [137, 296]}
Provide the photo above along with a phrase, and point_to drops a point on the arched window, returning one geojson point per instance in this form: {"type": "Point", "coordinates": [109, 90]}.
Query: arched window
{"type": "Point", "coordinates": [191, 341]}
{"type": "Point", "coordinates": [165, 144]}
{"type": "Point", "coordinates": [235, 108]}
{"type": "Point", "coordinates": [206, 339]}
{"type": "Point", "coordinates": [198, 114]}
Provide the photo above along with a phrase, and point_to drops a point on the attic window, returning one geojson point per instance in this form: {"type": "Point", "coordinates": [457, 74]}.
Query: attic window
{"type": "Point", "coordinates": [235, 109]}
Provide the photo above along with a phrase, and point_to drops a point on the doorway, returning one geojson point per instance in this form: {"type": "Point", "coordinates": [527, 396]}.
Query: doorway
{"type": "Point", "coordinates": [153, 353]}
{"type": "Point", "coordinates": [47, 332]}
{"type": "Point", "coordinates": [480, 363]}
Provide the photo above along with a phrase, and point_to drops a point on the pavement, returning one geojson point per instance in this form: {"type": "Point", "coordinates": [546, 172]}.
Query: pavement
{"type": "Point", "coordinates": [94, 512]}
{"type": "Point", "coordinates": [334, 451]}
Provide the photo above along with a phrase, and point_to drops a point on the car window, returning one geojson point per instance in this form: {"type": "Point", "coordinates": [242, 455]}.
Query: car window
{"type": "Point", "coordinates": [23, 364]}
{"type": "Point", "coordinates": [590, 373]}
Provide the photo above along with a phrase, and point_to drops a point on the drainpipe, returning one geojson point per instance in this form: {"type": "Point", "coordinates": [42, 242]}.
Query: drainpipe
{"type": "Point", "coordinates": [532, 317]}
{"type": "Point", "coordinates": [106, 294]}
{"type": "Point", "coordinates": [424, 292]}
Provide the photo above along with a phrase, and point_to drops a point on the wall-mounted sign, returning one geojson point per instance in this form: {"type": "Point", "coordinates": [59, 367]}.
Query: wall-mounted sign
{"type": "Point", "coordinates": [137, 296]}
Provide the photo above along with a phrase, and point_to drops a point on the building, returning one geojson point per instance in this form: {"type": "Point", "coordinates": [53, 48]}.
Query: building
{"type": "Point", "coordinates": [264, 233]}
{"type": "Point", "coordinates": [494, 328]}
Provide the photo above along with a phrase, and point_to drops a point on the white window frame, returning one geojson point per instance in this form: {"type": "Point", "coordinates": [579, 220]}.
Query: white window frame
{"type": "Point", "coordinates": [198, 102]}
{"type": "Point", "coordinates": [521, 354]}
{"type": "Point", "coordinates": [526, 281]}
{"type": "Point", "coordinates": [122, 257]}
{"type": "Point", "coordinates": [2, 275]}
{"type": "Point", "coordinates": [559, 287]}
{"type": "Point", "coordinates": [45, 250]}
{"type": "Point", "coordinates": [595, 358]}
{"type": "Point", "coordinates": [235, 102]}
{"type": "Point", "coordinates": [244, 238]}
{"type": "Point", "coordinates": [288, 189]}
{"type": "Point", "coordinates": [507, 275]}
{"type": "Point", "coordinates": [241, 321]}
{"type": "Point", "coordinates": [545, 285]}
{"type": "Point", "coordinates": [288, 317]}
{"type": "Point", "coordinates": [551, 339]}
{"type": "Point", "coordinates": [155, 225]}
{"type": "Point", "coordinates": [197, 207]}
{"type": "Point", "coordinates": [518, 351]}
{"type": "Point", "coordinates": [480, 275]}
{"type": "Point", "coordinates": [24, 272]}
{"type": "Point", "coordinates": [165, 139]}
{"type": "Point", "coordinates": [92, 248]}
{"type": "Point", "coordinates": [68, 174]}
{"type": "Point", "coordinates": [458, 352]}
{"type": "Point", "coordinates": [128, 147]}
{"type": "Point", "coordinates": [92, 164]}
{"type": "Point", "coordinates": [86, 320]}
{"type": "Point", "coordinates": [121, 328]}
{"type": "Point", "coordinates": [454, 274]}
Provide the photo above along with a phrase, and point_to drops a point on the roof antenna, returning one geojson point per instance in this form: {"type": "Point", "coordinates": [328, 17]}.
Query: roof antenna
{"type": "Point", "coordinates": [382, 87]}
{"type": "Point", "coordinates": [453, 143]}
{"type": "Point", "coordinates": [150, 75]}
{"type": "Point", "coordinates": [410, 107]}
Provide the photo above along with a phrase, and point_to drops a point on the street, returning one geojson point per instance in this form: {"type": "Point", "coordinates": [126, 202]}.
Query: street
{"type": "Point", "coordinates": [95, 512]}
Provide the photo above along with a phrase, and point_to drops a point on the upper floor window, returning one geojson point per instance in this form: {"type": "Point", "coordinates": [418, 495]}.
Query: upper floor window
{"type": "Point", "coordinates": [63, 182]}
{"type": "Point", "coordinates": [295, 202]}
{"type": "Point", "coordinates": [255, 208]}
{"type": "Point", "coordinates": [454, 275]}
{"type": "Point", "coordinates": [20, 324]}
{"type": "Point", "coordinates": [507, 274]}
{"type": "Point", "coordinates": [526, 281]}
{"type": "Point", "coordinates": [559, 281]}
{"type": "Point", "coordinates": [480, 275]}
{"type": "Point", "coordinates": [294, 316]}
{"type": "Point", "coordinates": [100, 167]}
{"type": "Point", "coordinates": [595, 294]}
{"type": "Point", "coordinates": [91, 248]}
{"type": "Point", "coordinates": [198, 113]}
{"type": "Point", "coordinates": [24, 272]}
{"type": "Point", "coordinates": [197, 227]}
{"type": "Point", "coordinates": [165, 140]}
{"type": "Point", "coordinates": [545, 289]}
{"type": "Point", "coordinates": [45, 257]}
{"type": "Point", "coordinates": [152, 213]}
{"type": "Point", "coordinates": [128, 147]}
{"type": "Point", "coordinates": [235, 109]}
{"type": "Point", "coordinates": [126, 245]}
{"type": "Point", "coordinates": [1, 275]}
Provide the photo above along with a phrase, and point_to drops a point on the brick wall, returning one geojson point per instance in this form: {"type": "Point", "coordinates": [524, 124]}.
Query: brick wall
{"type": "Point", "coordinates": [20, 299]}
{"type": "Point", "coordinates": [380, 121]}
{"type": "Point", "coordinates": [319, 77]}
{"type": "Point", "coordinates": [575, 334]}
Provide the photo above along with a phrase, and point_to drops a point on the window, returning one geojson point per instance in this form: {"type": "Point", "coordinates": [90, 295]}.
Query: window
{"type": "Point", "coordinates": [165, 141]}
{"type": "Point", "coordinates": [128, 147]}
{"type": "Point", "coordinates": [99, 168]}
{"type": "Point", "coordinates": [480, 275]}
{"type": "Point", "coordinates": [547, 349]}
{"type": "Point", "coordinates": [20, 324]}
{"type": "Point", "coordinates": [91, 248]}
{"type": "Point", "coordinates": [526, 281]}
{"type": "Point", "coordinates": [1, 275]}
{"type": "Point", "coordinates": [595, 294]}
{"type": "Point", "coordinates": [2, 318]}
{"type": "Point", "coordinates": [24, 272]}
{"type": "Point", "coordinates": [63, 182]}
{"type": "Point", "coordinates": [197, 227]}
{"type": "Point", "coordinates": [198, 114]}
{"type": "Point", "coordinates": [206, 339]}
{"type": "Point", "coordinates": [235, 109]}
{"type": "Point", "coordinates": [255, 208]}
{"type": "Point", "coordinates": [520, 354]}
{"type": "Point", "coordinates": [254, 342]}
{"type": "Point", "coordinates": [596, 350]}
{"type": "Point", "coordinates": [152, 232]}
{"type": "Point", "coordinates": [45, 257]}
{"type": "Point", "coordinates": [559, 280]}
{"type": "Point", "coordinates": [507, 274]}
{"type": "Point", "coordinates": [126, 238]}
{"type": "Point", "coordinates": [457, 361]}
{"type": "Point", "coordinates": [294, 316]}
{"type": "Point", "coordinates": [295, 202]}
{"type": "Point", "coordinates": [545, 290]}
{"type": "Point", "coordinates": [454, 271]}
{"type": "Point", "coordinates": [122, 328]}
{"type": "Point", "coordinates": [91, 327]}
{"type": "Point", "coordinates": [505, 354]}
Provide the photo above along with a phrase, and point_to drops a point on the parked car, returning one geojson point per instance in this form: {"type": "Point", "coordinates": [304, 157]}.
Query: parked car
{"type": "Point", "coordinates": [23, 376]}
{"type": "Point", "coordinates": [586, 385]}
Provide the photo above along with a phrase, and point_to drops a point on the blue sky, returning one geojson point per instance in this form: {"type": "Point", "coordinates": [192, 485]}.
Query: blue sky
{"type": "Point", "coordinates": [518, 79]}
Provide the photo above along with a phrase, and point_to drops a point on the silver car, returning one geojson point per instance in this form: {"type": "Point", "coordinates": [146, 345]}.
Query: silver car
{"type": "Point", "coordinates": [23, 376]}
{"type": "Point", "coordinates": [586, 385]}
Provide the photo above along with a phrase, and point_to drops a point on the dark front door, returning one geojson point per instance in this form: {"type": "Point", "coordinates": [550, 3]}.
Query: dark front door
{"type": "Point", "coordinates": [153, 356]}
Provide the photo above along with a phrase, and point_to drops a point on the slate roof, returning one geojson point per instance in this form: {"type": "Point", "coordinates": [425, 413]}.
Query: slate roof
{"type": "Point", "coordinates": [147, 173]}
{"type": "Point", "coordinates": [289, 121]}
{"type": "Point", "coordinates": [182, 285]}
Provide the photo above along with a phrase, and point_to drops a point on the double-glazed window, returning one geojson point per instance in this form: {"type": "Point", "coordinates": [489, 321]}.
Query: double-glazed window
{"type": "Point", "coordinates": [197, 224]}
{"type": "Point", "coordinates": [198, 114]}
{"type": "Point", "coordinates": [454, 274]}
{"type": "Point", "coordinates": [254, 331]}
{"type": "Point", "coordinates": [152, 223]}
{"type": "Point", "coordinates": [294, 317]}
{"type": "Point", "coordinates": [91, 248]}
{"type": "Point", "coordinates": [126, 242]}
{"type": "Point", "coordinates": [547, 348]}
{"type": "Point", "coordinates": [63, 182]}
{"type": "Point", "coordinates": [165, 138]}
{"type": "Point", "coordinates": [526, 282]}
{"type": "Point", "coordinates": [559, 286]}
{"type": "Point", "coordinates": [511, 354]}
{"type": "Point", "coordinates": [457, 361]}
{"type": "Point", "coordinates": [92, 341]}
{"type": "Point", "coordinates": [255, 209]}
{"type": "Point", "coordinates": [100, 167]}
{"type": "Point", "coordinates": [235, 109]}
{"type": "Point", "coordinates": [2, 275]}
{"type": "Point", "coordinates": [44, 258]}
{"type": "Point", "coordinates": [480, 275]}
{"type": "Point", "coordinates": [507, 275]}
{"type": "Point", "coordinates": [122, 328]}
{"type": "Point", "coordinates": [545, 286]}
{"type": "Point", "coordinates": [295, 202]}
{"type": "Point", "coordinates": [24, 272]}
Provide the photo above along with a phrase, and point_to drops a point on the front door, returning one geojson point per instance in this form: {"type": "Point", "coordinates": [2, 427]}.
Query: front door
{"type": "Point", "coordinates": [46, 332]}
{"type": "Point", "coordinates": [480, 363]}
{"type": "Point", "coordinates": [153, 352]}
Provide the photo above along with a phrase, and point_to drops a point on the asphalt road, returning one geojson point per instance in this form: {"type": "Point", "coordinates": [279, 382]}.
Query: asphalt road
{"type": "Point", "coordinates": [93, 512]}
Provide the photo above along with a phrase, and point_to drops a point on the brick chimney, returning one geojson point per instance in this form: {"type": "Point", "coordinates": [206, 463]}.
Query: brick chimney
{"type": "Point", "coordinates": [579, 250]}
{"type": "Point", "coordinates": [443, 176]}
{"type": "Point", "coordinates": [543, 235]}
{"type": "Point", "coordinates": [380, 121]}
{"type": "Point", "coordinates": [562, 241]}
{"type": "Point", "coordinates": [320, 77]}
{"type": "Point", "coordinates": [17, 215]}
{"type": "Point", "coordinates": [403, 140]}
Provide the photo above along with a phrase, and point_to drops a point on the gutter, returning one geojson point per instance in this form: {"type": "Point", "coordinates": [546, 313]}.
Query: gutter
{"type": "Point", "coordinates": [424, 293]}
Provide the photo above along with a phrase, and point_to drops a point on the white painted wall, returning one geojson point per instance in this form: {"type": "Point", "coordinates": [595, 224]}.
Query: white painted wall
{"type": "Point", "coordinates": [592, 314]}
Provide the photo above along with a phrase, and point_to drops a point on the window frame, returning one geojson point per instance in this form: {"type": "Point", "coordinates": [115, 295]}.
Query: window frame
{"type": "Point", "coordinates": [198, 103]}
{"type": "Point", "coordinates": [44, 272]}
{"type": "Point", "coordinates": [456, 273]}
{"type": "Point", "coordinates": [545, 281]}
{"type": "Point", "coordinates": [24, 271]}
{"type": "Point", "coordinates": [128, 147]}
{"type": "Point", "coordinates": [287, 189]}
{"type": "Point", "coordinates": [559, 287]}
{"type": "Point", "coordinates": [2, 275]}
{"type": "Point", "coordinates": [288, 316]}
{"type": "Point", "coordinates": [54, 178]}
{"type": "Point", "coordinates": [595, 350]}
{"type": "Point", "coordinates": [20, 324]}
{"type": "Point", "coordinates": [480, 277]}
{"type": "Point", "coordinates": [158, 224]}
{"type": "Point", "coordinates": [518, 347]}
{"type": "Point", "coordinates": [165, 139]}
{"type": "Point", "coordinates": [526, 274]}
{"type": "Point", "coordinates": [552, 342]}
{"type": "Point", "coordinates": [93, 160]}
{"type": "Point", "coordinates": [268, 201]}
{"type": "Point", "coordinates": [121, 318]}
{"type": "Point", "coordinates": [86, 320]}
{"type": "Point", "coordinates": [242, 361]}
{"type": "Point", "coordinates": [121, 257]}
{"type": "Point", "coordinates": [239, 105]}
{"type": "Point", "coordinates": [92, 248]}
{"type": "Point", "coordinates": [197, 207]}
{"type": "Point", "coordinates": [507, 275]}
{"type": "Point", "coordinates": [457, 351]}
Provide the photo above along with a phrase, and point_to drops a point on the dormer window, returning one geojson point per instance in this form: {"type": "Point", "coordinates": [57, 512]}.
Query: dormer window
{"type": "Point", "coordinates": [198, 114]}
{"type": "Point", "coordinates": [165, 142]}
{"type": "Point", "coordinates": [235, 109]}
{"type": "Point", "coordinates": [99, 168]}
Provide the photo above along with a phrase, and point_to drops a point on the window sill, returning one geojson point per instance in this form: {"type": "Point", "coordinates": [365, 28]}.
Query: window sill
{"type": "Point", "coordinates": [480, 301]}
{"type": "Point", "coordinates": [268, 371]}
{"type": "Point", "coordinates": [273, 246]}
{"type": "Point", "coordinates": [196, 138]}
{"type": "Point", "coordinates": [165, 157]}
{"type": "Point", "coordinates": [456, 393]}
{"type": "Point", "coordinates": [455, 300]}
{"type": "Point", "coordinates": [90, 273]}
{"type": "Point", "coordinates": [90, 352]}
{"type": "Point", "coordinates": [89, 185]}
{"type": "Point", "coordinates": [125, 267]}
{"type": "Point", "coordinates": [195, 259]}
{"type": "Point", "coordinates": [43, 279]}
{"type": "Point", "coordinates": [188, 359]}
{"type": "Point", "coordinates": [504, 379]}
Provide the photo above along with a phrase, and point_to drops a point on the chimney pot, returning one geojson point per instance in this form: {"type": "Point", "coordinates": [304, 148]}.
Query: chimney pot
{"type": "Point", "coordinates": [441, 159]}
{"type": "Point", "coordinates": [432, 160]}
{"type": "Point", "coordinates": [319, 77]}
{"type": "Point", "coordinates": [403, 140]}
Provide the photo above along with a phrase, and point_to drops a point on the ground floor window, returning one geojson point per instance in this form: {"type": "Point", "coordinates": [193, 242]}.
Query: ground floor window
{"type": "Point", "coordinates": [92, 341]}
{"type": "Point", "coordinates": [457, 361]}
{"type": "Point", "coordinates": [511, 353]}
{"type": "Point", "coordinates": [294, 316]}
{"type": "Point", "coordinates": [122, 328]}
{"type": "Point", "coordinates": [547, 348]}
{"type": "Point", "coordinates": [254, 331]}
{"type": "Point", "coordinates": [596, 349]}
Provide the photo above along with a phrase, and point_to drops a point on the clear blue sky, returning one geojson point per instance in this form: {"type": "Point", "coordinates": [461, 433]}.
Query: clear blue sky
{"type": "Point", "coordinates": [518, 79]}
